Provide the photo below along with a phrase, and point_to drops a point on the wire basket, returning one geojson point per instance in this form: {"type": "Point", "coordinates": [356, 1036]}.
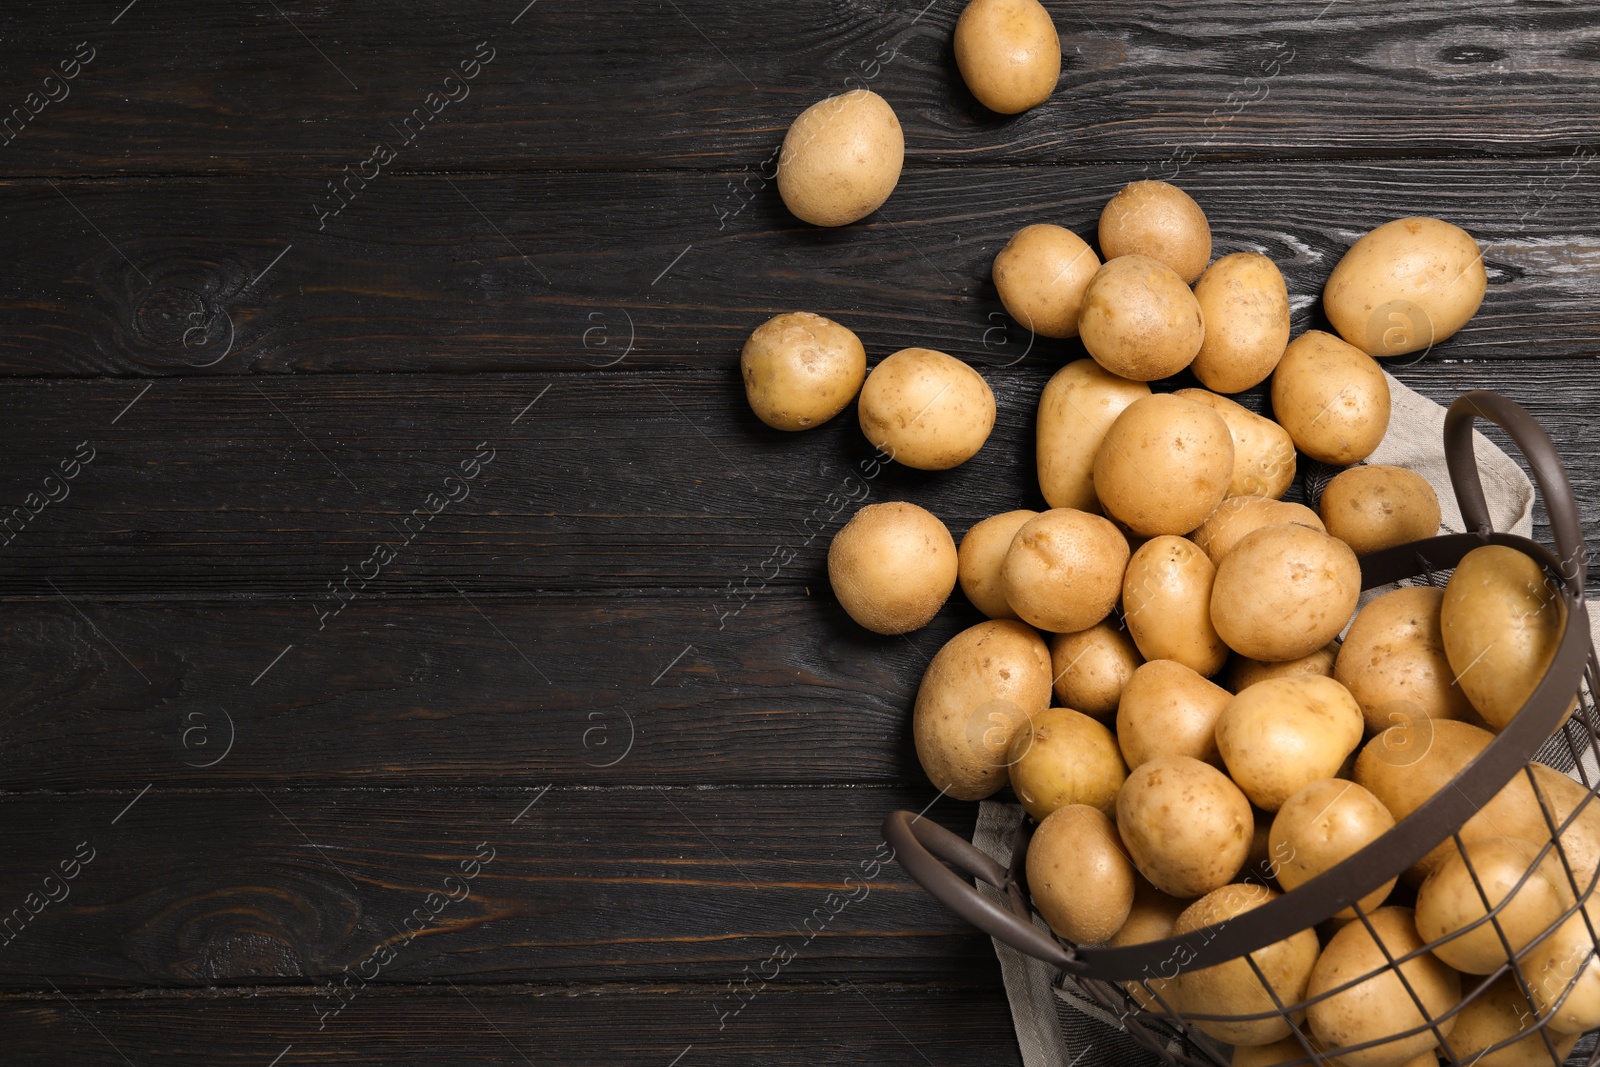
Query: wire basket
{"type": "Point", "coordinates": [1133, 982]}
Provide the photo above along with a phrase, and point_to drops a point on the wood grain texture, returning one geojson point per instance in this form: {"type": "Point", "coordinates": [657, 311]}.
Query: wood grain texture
{"type": "Point", "coordinates": [616, 271]}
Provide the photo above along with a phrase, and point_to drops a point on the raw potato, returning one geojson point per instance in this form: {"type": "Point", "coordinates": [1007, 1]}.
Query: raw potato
{"type": "Point", "coordinates": [1238, 515]}
{"type": "Point", "coordinates": [1233, 987]}
{"type": "Point", "coordinates": [1564, 970]}
{"type": "Point", "coordinates": [1079, 874]}
{"type": "Point", "coordinates": [1331, 397]}
{"type": "Point", "coordinates": [1166, 604]}
{"type": "Point", "coordinates": [1169, 710]}
{"type": "Point", "coordinates": [1263, 454]}
{"type": "Point", "coordinates": [1244, 672]}
{"type": "Point", "coordinates": [982, 686]}
{"type": "Point", "coordinates": [1284, 591]}
{"type": "Point", "coordinates": [1279, 736]}
{"type": "Point", "coordinates": [1380, 1006]}
{"type": "Point", "coordinates": [1077, 407]}
{"type": "Point", "coordinates": [1150, 919]}
{"type": "Point", "coordinates": [1394, 651]}
{"type": "Point", "coordinates": [800, 370]}
{"type": "Point", "coordinates": [1187, 827]}
{"type": "Point", "coordinates": [1498, 1014]}
{"type": "Point", "coordinates": [892, 567]}
{"type": "Point", "coordinates": [1062, 757]}
{"type": "Point", "coordinates": [1450, 900]}
{"type": "Point", "coordinates": [982, 551]}
{"type": "Point", "coordinates": [841, 159]}
{"type": "Point", "coordinates": [1501, 620]}
{"type": "Point", "coordinates": [1164, 465]}
{"type": "Point", "coordinates": [1323, 825]}
{"type": "Point", "coordinates": [1091, 667]}
{"type": "Point", "coordinates": [1063, 570]}
{"type": "Point", "coordinates": [1246, 307]}
{"type": "Point", "coordinates": [1139, 319]}
{"type": "Point", "coordinates": [1041, 274]}
{"type": "Point", "coordinates": [1405, 286]}
{"type": "Point", "coordinates": [926, 409]}
{"type": "Point", "coordinates": [1158, 220]}
{"type": "Point", "coordinates": [1376, 506]}
{"type": "Point", "coordinates": [1284, 1051]}
{"type": "Point", "coordinates": [1009, 53]}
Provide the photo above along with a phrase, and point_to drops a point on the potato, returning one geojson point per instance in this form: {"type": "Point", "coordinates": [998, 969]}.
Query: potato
{"type": "Point", "coordinates": [926, 409]}
{"type": "Point", "coordinates": [800, 370]}
{"type": "Point", "coordinates": [1244, 672]}
{"type": "Point", "coordinates": [1279, 736]}
{"type": "Point", "coordinates": [1041, 275]}
{"type": "Point", "coordinates": [1092, 666]}
{"type": "Point", "coordinates": [1149, 218]}
{"type": "Point", "coordinates": [1263, 454]}
{"type": "Point", "coordinates": [1450, 900]}
{"type": "Point", "coordinates": [1139, 319]}
{"type": "Point", "coordinates": [1284, 591]}
{"type": "Point", "coordinates": [982, 551]}
{"type": "Point", "coordinates": [1323, 825]}
{"type": "Point", "coordinates": [1077, 407]}
{"type": "Point", "coordinates": [1501, 620]}
{"type": "Point", "coordinates": [1166, 603]}
{"type": "Point", "coordinates": [1331, 397]}
{"type": "Point", "coordinates": [1411, 761]}
{"type": "Point", "coordinates": [1498, 1014]}
{"type": "Point", "coordinates": [1394, 651]}
{"type": "Point", "coordinates": [1150, 919]}
{"type": "Point", "coordinates": [1063, 570]}
{"type": "Point", "coordinates": [892, 567]}
{"type": "Point", "coordinates": [1376, 506]}
{"type": "Point", "coordinates": [1062, 757]}
{"type": "Point", "coordinates": [1406, 286]}
{"type": "Point", "coordinates": [1245, 304]}
{"type": "Point", "coordinates": [1079, 875]}
{"type": "Point", "coordinates": [1381, 1006]}
{"type": "Point", "coordinates": [1283, 1051]}
{"type": "Point", "coordinates": [841, 159]}
{"type": "Point", "coordinates": [1563, 973]}
{"type": "Point", "coordinates": [1186, 825]}
{"type": "Point", "coordinates": [1236, 516]}
{"type": "Point", "coordinates": [1008, 53]}
{"type": "Point", "coordinates": [1169, 710]}
{"type": "Point", "coordinates": [1164, 465]}
{"type": "Point", "coordinates": [980, 688]}
{"type": "Point", "coordinates": [1233, 987]}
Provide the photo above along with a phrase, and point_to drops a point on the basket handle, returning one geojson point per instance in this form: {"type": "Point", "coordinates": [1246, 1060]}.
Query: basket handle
{"type": "Point", "coordinates": [1540, 452]}
{"type": "Point", "coordinates": [923, 848]}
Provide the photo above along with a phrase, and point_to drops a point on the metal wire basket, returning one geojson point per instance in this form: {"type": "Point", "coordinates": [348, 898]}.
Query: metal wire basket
{"type": "Point", "coordinates": [1128, 982]}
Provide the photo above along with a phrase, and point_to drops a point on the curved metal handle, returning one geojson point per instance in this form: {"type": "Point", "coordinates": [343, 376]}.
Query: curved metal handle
{"type": "Point", "coordinates": [1540, 452]}
{"type": "Point", "coordinates": [923, 848]}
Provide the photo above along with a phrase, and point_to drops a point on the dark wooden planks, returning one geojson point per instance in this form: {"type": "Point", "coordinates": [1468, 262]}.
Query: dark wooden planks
{"type": "Point", "coordinates": [193, 86]}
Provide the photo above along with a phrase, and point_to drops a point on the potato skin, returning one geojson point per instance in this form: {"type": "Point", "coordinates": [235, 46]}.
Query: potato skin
{"type": "Point", "coordinates": [1009, 53]}
{"type": "Point", "coordinates": [1091, 667]}
{"type": "Point", "coordinates": [926, 409]}
{"type": "Point", "coordinates": [1331, 397]}
{"type": "Point", "coordinates": [1263, 454]}
{"type": "Point", "coordinates": [1187, 827]}
{"type": "Point", "coordinates": [1498, 1013]}
{"type": "Point", "coordinates": [1449, 901]}
{"type": "Point", "coordinates": [1564, 970]}
{"type": "Point", "coordinates": [1139, 319]}
{"type": "Point", "coordinates": [1166, 604]}
{"type": "Point", "coordinates": [979, 556]}
{"type": "Point", "coordinates": [1079, 875]}
{"type": "Point", "coordinates": [1236, 516]}
{"type": "Point", "coordinates": [1161, 221]}
{"type": "Point", "coordinates": [1245, 303]}
{"type": "Point", "coordinates": [1062, 757]}
{"type": "Point", "coordinates": [1394, 651]}
{"type": "Point", "coordinates": [1323, 825]}
{"type": "Point", "coordinates": [800, 370]}
{"type": "Point", "coordinates": [1064, 569]}
{"type": "Point", "coordinates": [1164, 465]}
{"type": "Point", "coordinates": [1077, 407]}
{"type": "Point", "coordinates": [1376, 506]}
{"type": "Point", "coordinates": [1279, 736]}
{"type": "Point", "coordinates": [1501, 621]}
{"type": "Point", "coordinates": [1405, 286]}
{"type": "Point", "coordinates": [841, 159]}
{"type": "Point", "coordinates": [1244, 672]}
{"type": "Point", "coordinates": [1150, 919]}
{"type": "Point", "coordinates": [892, 566]}
{"type": "Point", "coordinates": [980, 688]}
{"type": "Point", "coordinates": [1041, 275]}
{"type": "Point", "coordinates": [1284, 592]}
{"type": "Point", "coordinates": [1169, 710]}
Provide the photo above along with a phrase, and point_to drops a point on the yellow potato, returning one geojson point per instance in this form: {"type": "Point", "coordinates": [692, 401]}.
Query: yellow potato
{"type": "Point", "coordinates": [1139, 319]}
{"type": "Point", "coordinates": [1077, 407]}
{"type": "Point", "coordinates": [1062, 757]}
{"type": "Point", "coordinates": [1166, 603]}
{"type": "Point", "coordinates": [1244, 672]}
{"type": "Point", "coordinates": [1169, 710]}
{"type": "Point", "coordinates": [1187, 827]}
{"type": "Point", "coordinates": [1008, 53]}
{"type": "Point", "coordinates": [1236, 516]}
{"type": "Point", "coordinates": [1394, 651]}
{"type": "Point", "coordinates": [892, 567]}
{"type": "Point", "coordinates": [841, 159]}
{"type": "Point", "coordinates": [982, 551]}
{"type": "Point", "coordinates": [1498, 1014]}
{"type": "Point", "coordinates": [1376, 506]}
{"type": "Point", "coordinates": [1453, 898]}
{"type": "Point", "coordinates": [926, 409]}
{"type": "Point", "coordinates": [1149, 218]}
{"type": "Point", "coordinates": [1092, 666]}
{"type": "Point", "coordinates": [1246, 307]}
{"type": "Point", "coordinates": [1284, 591]}
{"type": "Point", "coordinates": [800, 370]}
{"type": "Point", "coordinates": [1041, 275]}
{"type": "Point", "coordinates": [1079, 874]}
{"type": "Point", "coordinates": [1150, 919]}
{"type": "Point", "coordinates": [1564, 974]}
{"type": "Point", "coordinates": [1285, 1051]}
{"type": "Point", "coordinates": [1263, 454]}
{"type": "Point", "coordinates": [1331, 397]}
{"type": "Point", "coordinates": [982, 686]}
{"type": "Point", "coordinates": [1501, 620]}
{"type": "Point", "coordinates": [1164, 465]}
{"type": "Point", "coordinates": [1063, 570]}
{"type": "Point", "coordinates": [1381, 1005]}
{"type": "Point", "coordinates": [1279, 736]}
{"type": "Point", "coordinates": [1323, 825]}
{"type": "Point", "coordinates": [1405, 286]}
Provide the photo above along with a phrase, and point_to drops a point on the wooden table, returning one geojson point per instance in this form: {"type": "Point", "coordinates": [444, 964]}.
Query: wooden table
{"type": "Point", "coordinates": [417, 653]}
